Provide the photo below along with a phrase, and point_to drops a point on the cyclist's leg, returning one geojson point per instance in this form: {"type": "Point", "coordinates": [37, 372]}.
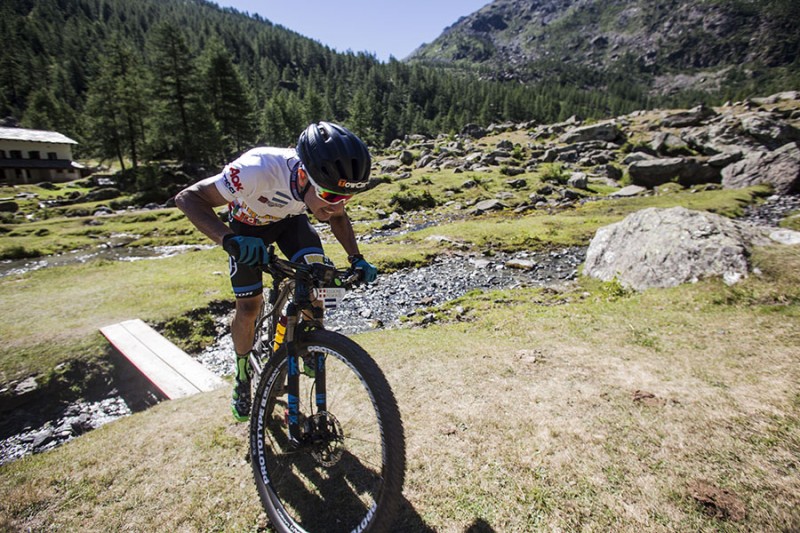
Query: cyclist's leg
{"type": "Point", "coordinates": [248, 288]}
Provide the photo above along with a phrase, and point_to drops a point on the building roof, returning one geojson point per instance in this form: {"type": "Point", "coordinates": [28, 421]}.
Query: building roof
{"type": "Point", "coordinates": [22, 134]}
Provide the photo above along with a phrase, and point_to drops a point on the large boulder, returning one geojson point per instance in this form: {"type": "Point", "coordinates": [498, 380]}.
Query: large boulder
{"type": "Point", "coordinates": [686, 170]}
{"type": "Point", "coordinates": [666, 247]}
{"type": "Point", "coordinates": [768, 130]}
{"type": "Point", "coordinates": [780, 168]}
{"type": "Point", "coordinates": [654, 172]}
{"type": "Point", "coordinates": [692, 117]}
{"type": "Point", "coordinates": [603, 131]}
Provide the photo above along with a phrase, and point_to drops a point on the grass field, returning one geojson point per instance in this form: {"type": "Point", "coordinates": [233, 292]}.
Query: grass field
{"type": "Point", "coordinates": [584, 408]}
{"type": "Point", "coordinates": [587, 409]}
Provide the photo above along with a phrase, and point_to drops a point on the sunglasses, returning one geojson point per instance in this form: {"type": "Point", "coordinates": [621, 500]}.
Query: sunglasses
{"type": "Point", "coordinates": [331, 197]}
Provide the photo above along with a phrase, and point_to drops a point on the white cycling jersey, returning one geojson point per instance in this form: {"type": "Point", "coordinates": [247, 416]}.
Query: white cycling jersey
{"type": "Point", "coordinates": [258, 186]}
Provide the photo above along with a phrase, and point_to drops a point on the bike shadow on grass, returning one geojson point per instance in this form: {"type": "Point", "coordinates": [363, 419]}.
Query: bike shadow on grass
{"type": "Point", "coordinates": [339, 490]}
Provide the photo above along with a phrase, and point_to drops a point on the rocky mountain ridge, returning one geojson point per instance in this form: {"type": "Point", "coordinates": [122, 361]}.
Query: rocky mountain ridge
{"type": "Point", "coordinates": [674, 43]}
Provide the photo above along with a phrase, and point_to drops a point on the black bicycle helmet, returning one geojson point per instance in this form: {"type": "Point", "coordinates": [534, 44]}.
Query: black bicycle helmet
{"type": "Point", "coordinates": [335, 158]}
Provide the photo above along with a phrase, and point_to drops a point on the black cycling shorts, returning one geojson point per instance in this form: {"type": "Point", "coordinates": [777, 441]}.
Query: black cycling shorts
{"type": "Point", "coordinates": [295, 237]}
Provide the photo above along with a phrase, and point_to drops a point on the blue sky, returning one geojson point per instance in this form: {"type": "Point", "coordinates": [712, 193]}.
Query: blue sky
{"type": "Point", "coordinates": [381, 27]}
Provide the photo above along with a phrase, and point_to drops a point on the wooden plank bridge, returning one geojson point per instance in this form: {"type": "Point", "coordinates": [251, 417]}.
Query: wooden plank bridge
{"type": "Point", "coordinates": [173, 372]}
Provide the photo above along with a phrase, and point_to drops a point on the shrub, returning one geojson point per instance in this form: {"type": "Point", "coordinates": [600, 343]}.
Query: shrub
{"type": "Point", "coordinates": [18, 252]}
{"type": "Point", "coordinates": [553, 172]}
{"type": "Point", "coordinates": [410, 200]}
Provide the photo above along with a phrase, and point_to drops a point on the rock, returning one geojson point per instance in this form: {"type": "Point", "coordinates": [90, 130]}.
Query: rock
{"type": "Point", "coordinates": [578, 180]}
{"type": "Point", "coordinates": [611, 172]}
{"type": "Point", "coordinates": [425, 160]}
{"type": "Point", "coordinates": [768, 131]}
{"type": "Point", "coordinates": [630, 190]}
{"type": "Point", "coordinates": [785, 236]}
{"type": "Point", "coordinates": [406, 158]}
{"type": "Point", "coordinates": [106, 193]}
{"type": "Point", "coordinates": [522, 264]}
{"type": "Point", "coordinates": [603, 131]}
{"type": "Point", "coordinates": [568, 194]}
{"type": "Point", "coordinates": [489, 205]}
{"type": "Point", "coordinates": [43, 438]}
{"type": "Point", "coordinates": [724, 159]}
{"type": "Point", "coordinates": [537, 198]}
{"type": "Point", "coordinates": [26, 386]}
{"type": "Point", "coordinates": [696, 172]}
{"type": "Point", "coordinates": [635, 157]}
{"type": "Point", "coordinates": [780, 168]}
{"type": "Point", "coordinates": [389, 166]}
{"type": "Point", "coordinates": [517, 184]}
{"type": "Point", "coordinates": [474, 131]}
{"type": "Point", "coordinates": [775, 98]}
{"type": "Point", "coordinates": [667, 247]}
{"type": "Point", "coordinates": [393, 223]}
{"type": "Point", "coordinates": [693, 117]}
{"type": "Point", "coordinates": [9, 207]}
{"type": "Point", "coordinates": [512, 171]}
{"type": "Point", "coordinates": [654, 172]}
{"type": "Point", "coordinates": [668, 144]}
{"type": "Point", "coordinates": [501, 128]}
{"type": "Point", "coordinates": [104, 181]}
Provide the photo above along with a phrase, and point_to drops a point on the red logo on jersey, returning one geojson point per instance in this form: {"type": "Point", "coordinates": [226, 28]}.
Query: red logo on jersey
{"type": "Point", "coordinates": [234, 172]}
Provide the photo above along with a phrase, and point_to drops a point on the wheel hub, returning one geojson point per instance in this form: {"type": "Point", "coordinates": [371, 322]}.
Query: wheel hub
{"type": "Point", "coordinates": [325, 438]}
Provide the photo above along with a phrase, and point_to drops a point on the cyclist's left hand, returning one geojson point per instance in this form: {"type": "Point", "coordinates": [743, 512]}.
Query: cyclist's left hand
{"type": "Point", "coordinates": [370, 271]}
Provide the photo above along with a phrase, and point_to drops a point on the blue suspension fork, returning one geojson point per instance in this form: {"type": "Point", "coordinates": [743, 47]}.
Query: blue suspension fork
{"type": "Point", "coordinates": [293, 377]}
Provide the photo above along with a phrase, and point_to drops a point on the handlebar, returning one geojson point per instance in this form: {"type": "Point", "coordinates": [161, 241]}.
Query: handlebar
{"type": "Point", "coordinates": [317, 274]}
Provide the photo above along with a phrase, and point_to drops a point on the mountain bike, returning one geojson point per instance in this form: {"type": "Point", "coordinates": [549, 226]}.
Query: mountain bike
{"type": "Point", "coordinates": [326, 437]}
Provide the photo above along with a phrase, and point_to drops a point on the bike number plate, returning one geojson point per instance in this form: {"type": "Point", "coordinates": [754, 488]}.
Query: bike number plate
{"type": "Point", "coordinates": [330, 296]}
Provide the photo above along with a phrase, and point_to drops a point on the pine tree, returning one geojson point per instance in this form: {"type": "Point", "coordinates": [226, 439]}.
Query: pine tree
{"type": "Point", "coordinates": [181, 124]}
{"type": "Point", "coordinates": [229, 99]}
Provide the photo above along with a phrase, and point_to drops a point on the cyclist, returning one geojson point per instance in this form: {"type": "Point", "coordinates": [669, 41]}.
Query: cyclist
{"type": "Point", "coordinates": [269, 192]}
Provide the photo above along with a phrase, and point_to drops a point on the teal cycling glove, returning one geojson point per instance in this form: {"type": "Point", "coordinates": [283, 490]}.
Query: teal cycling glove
{"type": "Point", "coordinates": [370, 271]}
{"type": "Point", "coordinates": [250, 251]}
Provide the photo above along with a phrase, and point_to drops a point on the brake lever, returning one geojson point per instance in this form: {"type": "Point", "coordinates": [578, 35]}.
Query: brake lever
{"type": "Point", "coordinates": [353, 277]}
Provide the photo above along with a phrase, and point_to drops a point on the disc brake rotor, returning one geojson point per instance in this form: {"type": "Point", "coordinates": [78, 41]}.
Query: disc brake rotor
{"type": "Point", "coordinates": [326, 438]}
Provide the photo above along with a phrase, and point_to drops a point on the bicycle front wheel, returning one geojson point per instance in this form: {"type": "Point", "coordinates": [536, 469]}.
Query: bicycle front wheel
{"type": "Point", "coordinates": [349, 477]}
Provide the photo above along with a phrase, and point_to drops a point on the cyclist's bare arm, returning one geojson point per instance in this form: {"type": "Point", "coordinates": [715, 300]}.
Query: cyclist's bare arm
{"type": "Point", "coordinates": [342, 229]}
{"type": "Point", "coordinates": [198, 202]}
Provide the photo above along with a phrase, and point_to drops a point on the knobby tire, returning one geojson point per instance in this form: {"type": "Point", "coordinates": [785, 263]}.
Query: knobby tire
{"type": "Point", "coordinates": [356, 486]}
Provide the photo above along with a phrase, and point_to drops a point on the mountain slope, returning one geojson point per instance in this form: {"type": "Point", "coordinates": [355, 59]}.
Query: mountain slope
{"type": "Point", "coordinates": [535, 39]}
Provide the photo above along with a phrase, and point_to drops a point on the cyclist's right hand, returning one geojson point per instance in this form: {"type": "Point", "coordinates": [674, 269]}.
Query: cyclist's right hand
{"type": "Point", "coordinates": [250, 251]}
